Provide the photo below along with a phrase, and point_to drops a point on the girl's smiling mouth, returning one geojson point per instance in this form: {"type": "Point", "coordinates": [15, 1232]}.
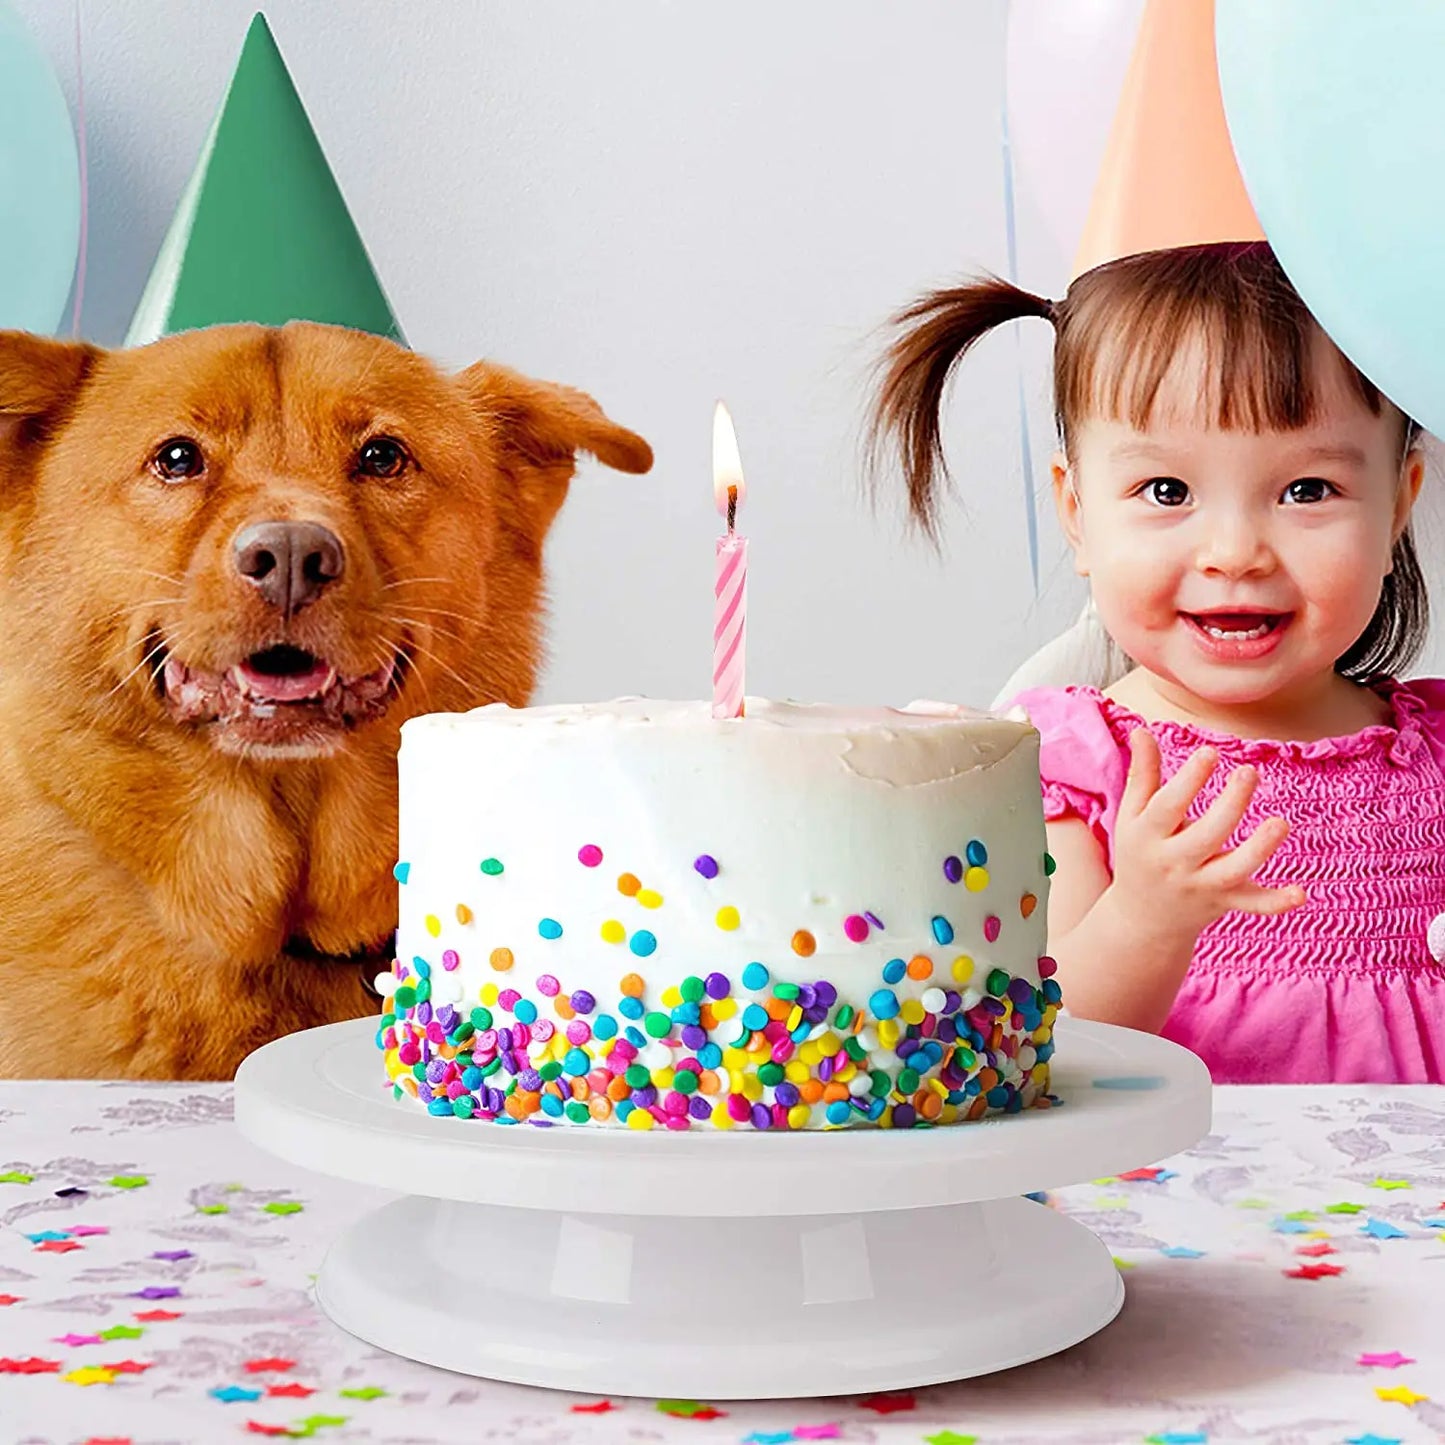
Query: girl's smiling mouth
{"type": "Point", "coordinates": [1237, 635]}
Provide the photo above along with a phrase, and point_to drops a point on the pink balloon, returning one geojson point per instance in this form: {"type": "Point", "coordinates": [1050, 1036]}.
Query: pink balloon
{"type": "Point", "coordinates": [1064, 67]}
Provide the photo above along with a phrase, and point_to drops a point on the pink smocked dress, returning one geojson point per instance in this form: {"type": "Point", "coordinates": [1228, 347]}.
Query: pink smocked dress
{"type": "Point", "coordinates": [1346, 988]}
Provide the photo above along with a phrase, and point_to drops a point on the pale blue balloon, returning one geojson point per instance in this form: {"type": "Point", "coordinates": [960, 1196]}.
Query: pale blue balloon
{"type": "Point", "coordinates": [39, 184]}
{"type": "Point", "coordinates": [1337, 113]}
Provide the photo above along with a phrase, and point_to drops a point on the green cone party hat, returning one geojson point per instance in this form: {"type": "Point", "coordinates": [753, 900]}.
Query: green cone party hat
{"type": "Point", "coordinates": [262, 232]}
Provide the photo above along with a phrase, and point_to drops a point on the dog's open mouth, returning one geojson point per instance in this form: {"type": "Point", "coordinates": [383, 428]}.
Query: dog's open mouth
{"type": "Point", "coordinates": [282, 698]}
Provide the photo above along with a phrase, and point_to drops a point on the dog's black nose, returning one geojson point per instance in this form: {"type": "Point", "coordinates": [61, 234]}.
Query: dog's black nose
{"type": "Point", "coordinates": [290, 563]}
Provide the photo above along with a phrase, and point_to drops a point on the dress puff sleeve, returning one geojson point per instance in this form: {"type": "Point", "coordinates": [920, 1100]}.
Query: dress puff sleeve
{"type": "Point", "coordinates": [1082, 764]}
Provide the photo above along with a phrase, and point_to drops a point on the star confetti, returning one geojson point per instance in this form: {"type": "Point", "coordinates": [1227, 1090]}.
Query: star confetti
{"type": "Point", "coordinates": [231, 1394]}
{"type": "Point", "coordinates": [1399, 1394]}
{"type": "Point", "coordinates": [106, 1440]}
{"type": "Point", "coordinates": [1315, 1271]}
{"type": "Point", "coordinates": [1300, 1214]}
{"type": "Point", "coordinates": [155, 1317]}
{"type": "Point", "coordinates": [46, 1235]}
{"type": "Point", "coordinates": [312, 1423]}
{"type": "Point", "coordinates": [256, 1367]}
{"type": "Point", "coordinates": [213, 1209]}
{"type": "Point", "coordinates": [1290, 1226]}
{"type": "Point", "coordinates": [156, 1291]}
{"type": "Point", "coordinates": [951, 1437]}
{"type": "Point", "coordinates": [362, 1392]}
{"type": "Point", "coordinates": [1391, 1361]}
{"type": "Point", "coordinates": [1381, 1229]}
{"type": "Point", "coordinates": [14, 1176]}
{"type": "Point", "coordinates": [127, 1367]}
{"type": "Point", "coordinates": [1177, 1437]}
{"type": "Point", "coordinates": [1180, 1251]}
{"type": "Point", "coordinates": [122, 1332]}
{"type": "Point", "coordinates": [597, 1407]}
{"type": "Point", "coordinates": [1344, 1207]}
{"type": "Point", "coordinates": [33, 1366]}
{"type": "Point", "coordinates": [172, 1254]}
{"type": "Point", "coordinates": [283, 1206]}
{"type": "Point", "coordinates": [1369, 1439]}
{"type": "Point", "coordinates": [889, 1404]}
{"type": "Point", "coordinates": [84, 1231]}
{"type": "Point", "coordinates": [816, 1432]}
{"type": "Point", "coordinates": [75, 1341]}
{"type": "Point", "coordinates": [57, 1246]}
{"type": "Point", "coordinates": [10, 1299]}
{"type": "Point", "coordinates": [291, 1390]}
{"type": "Point", "coordinates": [690, 1410]}
{"type": "Point", "coordinates": [1314, 1251]}
{"type": "Point", "coordinates": [768, 1437]}
{"type": "Point", "coordinates": [256, 1427]}
{"type": "Point", "coordinates": [1149, 1175]}
{"type": "Point", "coordinates": [90, 1375]}
{"type": "Point", "coordinates": [129, 1181]}
{"type": "Point", "coordinates": [1390, 1184]}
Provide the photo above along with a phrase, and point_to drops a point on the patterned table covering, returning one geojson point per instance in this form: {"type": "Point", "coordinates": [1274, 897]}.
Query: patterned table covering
{"type": "Point", "coordinates": [1286, 1286]}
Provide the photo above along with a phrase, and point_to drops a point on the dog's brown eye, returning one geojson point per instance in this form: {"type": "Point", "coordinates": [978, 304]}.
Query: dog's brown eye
{"type": "Point", "coordinates": [178, 459]}
{"type": "Point", "coordinates": [382, 457]}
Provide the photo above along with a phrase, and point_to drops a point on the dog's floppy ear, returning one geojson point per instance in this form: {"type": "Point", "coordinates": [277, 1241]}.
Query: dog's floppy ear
{"type": "Point", "coordinates": [537, 428]}
{"type": "Point", "coordinates": [39, 379]}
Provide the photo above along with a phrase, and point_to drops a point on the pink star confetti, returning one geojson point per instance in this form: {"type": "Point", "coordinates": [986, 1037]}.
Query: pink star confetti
{"type": "Point", "coordinates": [75, 1340]}
{"type": "Point", "coordinates": [1318, 1248]}
{"type": "Point", "coordinates": [255, 1427]}
{"type": "Point", "coordinates": [84, 1231]}
{"type": "Point", "coordinates": [1315, 1271]}
{"type": "Point", "coordinates": [816, 1432]}
{"type": "Point", "coordinates": [1391, 1361]}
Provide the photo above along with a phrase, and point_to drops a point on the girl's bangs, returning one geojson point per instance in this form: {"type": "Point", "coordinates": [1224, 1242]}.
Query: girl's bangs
{"type": "Point", "coordinates": [1124, 327]}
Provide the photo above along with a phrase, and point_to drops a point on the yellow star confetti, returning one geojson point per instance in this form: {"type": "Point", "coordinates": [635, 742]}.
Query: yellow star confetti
{"type": "Point", "coordinates": [1400, 1394]}
{"type": "Point", "coordinates": [100, 1375]}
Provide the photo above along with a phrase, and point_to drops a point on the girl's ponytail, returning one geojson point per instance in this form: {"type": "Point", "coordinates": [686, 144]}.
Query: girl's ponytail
{"type": "Point", "coordinates": [935, 333]}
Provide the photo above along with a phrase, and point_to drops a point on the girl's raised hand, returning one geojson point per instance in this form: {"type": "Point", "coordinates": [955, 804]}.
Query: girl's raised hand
{"type": "Point", "coordinates": [1176, 870]}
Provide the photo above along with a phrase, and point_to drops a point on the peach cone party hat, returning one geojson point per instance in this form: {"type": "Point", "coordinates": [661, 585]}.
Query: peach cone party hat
{"type": "Point", "coordinates": [1169, 176]}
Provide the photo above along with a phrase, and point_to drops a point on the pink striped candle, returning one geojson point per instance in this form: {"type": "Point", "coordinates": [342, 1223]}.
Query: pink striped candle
{"type": "Point", "coordinates": [730, 582]}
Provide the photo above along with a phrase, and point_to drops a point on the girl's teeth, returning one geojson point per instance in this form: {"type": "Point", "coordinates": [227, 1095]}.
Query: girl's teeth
{"type": "Point", "coordinates": [1235, 636]}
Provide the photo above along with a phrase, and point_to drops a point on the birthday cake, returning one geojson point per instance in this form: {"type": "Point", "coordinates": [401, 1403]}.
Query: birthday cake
{"type": "Point", "coordinates": [632, 914]}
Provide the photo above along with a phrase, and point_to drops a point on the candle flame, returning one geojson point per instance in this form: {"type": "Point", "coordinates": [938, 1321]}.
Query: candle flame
{"type": "Point", "coordinates": [727, 466]}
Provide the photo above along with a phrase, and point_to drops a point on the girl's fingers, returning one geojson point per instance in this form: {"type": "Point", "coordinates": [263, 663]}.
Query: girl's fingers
{"type": "Point", "coordinates": [1239, 865]}
{"type": "Point", "coordinates": [1208, 833]}
{"type": "Point", "coordinates": [1270, 901]}
{"type": "Point", "coordinates": [1170, 804]}
{"type": "Point", "coordinates": [1143, 779]}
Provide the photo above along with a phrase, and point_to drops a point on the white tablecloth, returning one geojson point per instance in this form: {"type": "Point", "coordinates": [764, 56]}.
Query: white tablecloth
{"type": "Point", "coordinates": [155, 1275]}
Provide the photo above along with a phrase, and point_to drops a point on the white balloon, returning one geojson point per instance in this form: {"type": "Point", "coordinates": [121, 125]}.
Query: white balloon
{"type": "Point", "coordinates": [1064, 68]}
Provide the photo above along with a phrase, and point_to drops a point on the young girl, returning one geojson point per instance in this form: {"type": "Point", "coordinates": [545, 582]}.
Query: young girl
{"type": "Point", "coordinates": [1249, 826]}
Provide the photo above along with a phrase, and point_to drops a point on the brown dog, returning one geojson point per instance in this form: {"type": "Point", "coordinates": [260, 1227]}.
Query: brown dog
{"type": "Point", "coordinates": [233, 563]}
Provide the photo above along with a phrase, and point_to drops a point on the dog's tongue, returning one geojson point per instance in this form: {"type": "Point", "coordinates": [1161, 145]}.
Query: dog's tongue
{"type": "Point", "coordinates": [285, 687]}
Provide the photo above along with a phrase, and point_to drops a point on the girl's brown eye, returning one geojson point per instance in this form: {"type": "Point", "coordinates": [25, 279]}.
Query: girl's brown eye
{"type": "Point", "coordinates": [178, 460]}
{"type": "Point", "coordinates": [1166, 491]}
{"type": "Point", "coordinates": [382, 457]}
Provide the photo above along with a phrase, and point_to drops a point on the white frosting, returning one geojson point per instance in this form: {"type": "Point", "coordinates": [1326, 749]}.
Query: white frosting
{"type": "Point", "coordinates": [814, 814]}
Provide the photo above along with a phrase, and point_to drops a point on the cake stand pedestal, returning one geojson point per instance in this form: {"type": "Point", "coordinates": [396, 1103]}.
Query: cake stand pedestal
{"type": "Point", "coordinates": [719, 1264]}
